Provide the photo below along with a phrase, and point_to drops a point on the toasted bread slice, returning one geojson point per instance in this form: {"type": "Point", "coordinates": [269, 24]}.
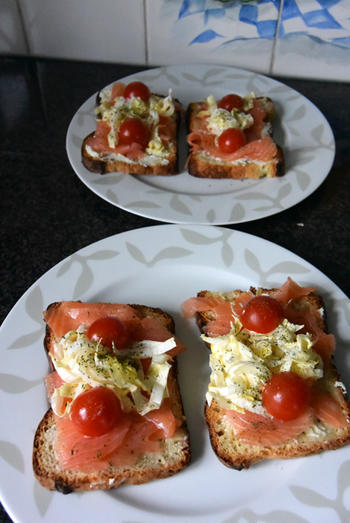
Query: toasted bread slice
{"type": "Point", "coordinates": [111, 160]}
{"type": "Point", "coordinates": [319, 436]}
{"type": "Point", "coordinates": [205, 164]}
{"type": "Point", "coordinates": [173, 454]}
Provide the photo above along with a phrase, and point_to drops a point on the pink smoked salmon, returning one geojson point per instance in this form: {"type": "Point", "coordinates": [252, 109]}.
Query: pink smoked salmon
{"type": "Point", "coordinates": [118, 89]}
{"type": "Point", "coordinates": [133, 436]}
{"type": "Point", "coordinates": [259, 114]}
{"type": "Point", "coordinates": [81, 452]}
{"type": "Point", "coordinates": [326, 408]}
{"type": "Point", "coordinates": [52, 382]}
{"type": "Point", "coordinates": [99, 143]}
{"type": "Point", "coordinates": [220, 308]}
{"type": "Point", "coordinates": [291, 290]}
{"type": "Point", "coordinates": [71, 314]}
{"type": "Point", "coordinates": [288, 295]}
{"type": "Point", "coordinates": [260, 430]}
{"type": "Point", "coordinates": [134, 433]}
{"type": "Point", "coordinates": [263, 149]}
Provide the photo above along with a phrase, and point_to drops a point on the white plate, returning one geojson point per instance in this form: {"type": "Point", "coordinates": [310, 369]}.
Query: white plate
{"type": "Point", "coordinates": [162, 266]}
{"type": "Point", "coordinates": [300, 128]}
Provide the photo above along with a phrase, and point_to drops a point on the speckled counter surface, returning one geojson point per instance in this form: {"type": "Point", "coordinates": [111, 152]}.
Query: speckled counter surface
{"type": "Point", "coordinates": [47, 213]}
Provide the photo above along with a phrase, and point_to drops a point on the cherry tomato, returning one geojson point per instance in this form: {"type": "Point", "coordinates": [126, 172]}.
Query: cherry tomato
{"type": "Point", "coordinates": [286, 396]}
{"type": "Point", "coordinates": [262, 314]}
{"type": "Point", "coordinates": [231, 140]}
{"type": "Point", "coordinates": [231, 101]}
{"type": "Point", "coordinates": [133, 130]}
{"type": "Point", "coordinates": [96, 411]}
{"type": "Point", "coordinates": [111, 331]}
{"type": "Point", "coordinates": [138, 89]}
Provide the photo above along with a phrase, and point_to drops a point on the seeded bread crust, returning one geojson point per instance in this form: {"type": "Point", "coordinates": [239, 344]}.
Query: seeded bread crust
{"type": "Point", "coordinates": [202, 165]}
{"type": "Point", "coordinates": [239, 455]}
{"type": "Point", "coordinates": [174, 452]}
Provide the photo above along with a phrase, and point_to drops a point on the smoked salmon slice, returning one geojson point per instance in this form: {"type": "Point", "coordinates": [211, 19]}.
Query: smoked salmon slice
{"type": "Point", "coordinates": [52, 382]}
{"type": "Point", "coordinates": [71, 314]}
{"type": "Point", "coordinates": [259, 115]}
{"type": "Point", "coordinates": [261, 430]}
{"type": "Point", "coordinates": [99, 143]}
{"type": "Point", "coordinates": [241, 301]}
{"type": "Point", "coordinates": [200, 304]}
{"type": "Point", "coordinates": [99, 139]}
{"type": "Point", "coordinates": [150, 329]}
{"type": "Point", "coordinates": [138, 441]}
{"type": "Point", "coordinates": [263, 149]}
{"type": "Point", "coordinates": [256, 429]}
{"type": "Point", "coordinates": [134, 435]}
{"type": "Point", "coordinates": [137, 434]}
{"type": "Point", "coordinates": [327, 409]}
{"type": "Point", "coordinates": [163, 420]}
{"type": "Point", "coordinates": [118, 89]}
{"type": "Point", "coordinates": [290, 290]}
{"type": "Point", "coordinates": [166, 128]}
{"type": "Point", "coordinates": [77, 451]}
{"type": "Point", "coordinates": [220, 308]}
{"type": "Point", "coordinates": [310, 318]}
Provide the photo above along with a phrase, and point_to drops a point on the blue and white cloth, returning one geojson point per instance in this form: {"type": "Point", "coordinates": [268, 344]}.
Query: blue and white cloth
{"type": "Point", "coordinates": [325, 20]}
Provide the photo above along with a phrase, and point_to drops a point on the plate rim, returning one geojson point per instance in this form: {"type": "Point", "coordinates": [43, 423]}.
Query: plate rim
{"type": "Point", "coordinates": [81, 171]}
{"type": "Point", "coordinates": [153, 230]}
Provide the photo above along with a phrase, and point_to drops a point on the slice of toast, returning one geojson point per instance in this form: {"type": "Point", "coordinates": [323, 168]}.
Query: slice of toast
{"type": "Point", "coordinates": [238, 454]}
{"type": "Point", "coordinates": [172, 457]}
{"type": "Point", "coordinates": [208, 163]}
{"type": "Point", "coordinates": [110, 160]}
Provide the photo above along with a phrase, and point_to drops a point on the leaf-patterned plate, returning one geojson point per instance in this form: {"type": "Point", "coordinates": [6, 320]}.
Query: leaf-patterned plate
{"type": "Point", "coordinates": [300, 128]}
{"type": "Point", "coordinates": [162, 266]}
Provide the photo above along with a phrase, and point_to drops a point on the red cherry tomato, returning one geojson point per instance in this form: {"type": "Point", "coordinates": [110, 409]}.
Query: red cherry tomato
{"type": "Point", "coordinates": [96, 411]}
{"type": "Point", "coordinates": [231, 101]}
{"type": "Point", "coordinates": [138, 89]}
{"type": "Point", "coordinates": [133, 130]}
{"type": "Point", "coordinates": [231, 140]}
{"type": "Point", "coordinates": [262, 314]}
{"type": "Point", "coordinates": [111, 331]}
{"type": "Point", "coordinates": [286, 396]}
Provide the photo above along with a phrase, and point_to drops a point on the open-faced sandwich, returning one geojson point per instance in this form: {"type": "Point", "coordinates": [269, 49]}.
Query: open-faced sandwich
{"type": "Point", "coordinates": [232, 138]}
{"type": "Point", "coordinates": [136, 132]}
{"type": "Point", "coordinates": [116, 414]}
{"type": "Point", "coordinates": [274, 390]}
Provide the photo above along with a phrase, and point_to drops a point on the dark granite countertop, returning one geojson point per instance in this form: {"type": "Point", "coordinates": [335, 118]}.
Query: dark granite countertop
{"type": "Point", "coordinates": [47, 213]}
